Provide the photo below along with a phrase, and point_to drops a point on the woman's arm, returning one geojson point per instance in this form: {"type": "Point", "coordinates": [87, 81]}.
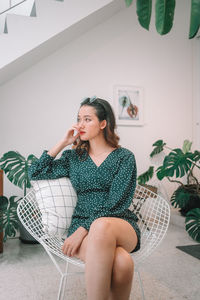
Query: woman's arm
{"type": "Point", "coordinates": [47, 167]}
{"type": "Point", "coordinates": [68, 139]}
{"type": "Point", "coordinates": [73, 242]}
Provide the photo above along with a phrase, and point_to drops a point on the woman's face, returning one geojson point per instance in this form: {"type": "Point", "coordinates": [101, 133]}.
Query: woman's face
{"type": "Point", "coordinates": [88, 123]}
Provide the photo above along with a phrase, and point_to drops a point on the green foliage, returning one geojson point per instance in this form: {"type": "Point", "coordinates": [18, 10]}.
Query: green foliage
{"type": "Point", "coordinates": [159, 146]}
{"type": "Point", "coordinates": [8, 216]}
{"type": "Point", "coordinates": [16, 167]}
{"type": "Point", "coordinates": [144, 9]}
{"type": "Point", "coordinates": [143, 178]}
{"type": "Point", "coordinates": [192, 222]}
{"type": "Point", "coordinates": [186, 146]}
{"type": "Point", "coordinates": [164, 15]}
{"type": "Point", "coordinates": [175, 163]}
{"type": "Point", "coordinates": [128, 2]}
{"type": "Point", "coordinates": [180, 197]}
{"type": "Point", "coordinates": [194, 18]}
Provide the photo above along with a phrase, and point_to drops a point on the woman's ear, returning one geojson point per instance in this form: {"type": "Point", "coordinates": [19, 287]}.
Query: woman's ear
{"type": "Point", "coordinates": [103, 124]}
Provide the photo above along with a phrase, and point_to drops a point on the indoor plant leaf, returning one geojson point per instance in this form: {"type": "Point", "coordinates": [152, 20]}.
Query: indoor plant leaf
{"type": "Point", "coordinates": [180, 197]}
{"type": "Point", "coordinates": [15, 167]}
{"type": "Point", "coordinates": [164, 15]}
{"type": "Point", "coordinates": [145, 177]}
{"type": "Point", "coordinates": [196, 157]}
{"type": "Point", "coordinates": [194, 18]}
{"type": "Point", "coordinates": [175, 163]}
{"type": "Point", "coordinates": [9, 212]}
{"type": "Point", "coordinates": [144, 9]}
{"type": "Point", "coordinates": [159, 146]}
{"type": "Point", "coordinates": [186, 146]}
{"type": "Point", "coordinates": [128, 2]}
{"type": "Point", "coordinates": [192, 222]}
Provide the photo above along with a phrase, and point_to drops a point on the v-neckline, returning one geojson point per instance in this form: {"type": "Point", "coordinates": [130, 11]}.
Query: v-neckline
{"type": "Point", "coordinates": [103, 160]}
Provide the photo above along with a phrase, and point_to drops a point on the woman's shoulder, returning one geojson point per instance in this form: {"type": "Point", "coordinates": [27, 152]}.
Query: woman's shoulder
{"type": "Point", "coordinates": [68, 153]}
{"type": "Point", "coordinates": [124, 152]}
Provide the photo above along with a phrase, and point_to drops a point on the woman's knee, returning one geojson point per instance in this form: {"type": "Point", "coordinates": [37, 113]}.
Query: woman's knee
{"type": "Point", "coordinates": [101, 228]}
{"type": "Point", "coordinates": [123, 266]}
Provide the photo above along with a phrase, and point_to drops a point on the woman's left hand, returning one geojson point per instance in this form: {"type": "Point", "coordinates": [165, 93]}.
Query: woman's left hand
{"type": "Point", "coordinates": [72, 243]}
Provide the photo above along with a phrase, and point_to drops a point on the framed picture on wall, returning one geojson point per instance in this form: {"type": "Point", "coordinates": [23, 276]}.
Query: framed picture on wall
{"type": "Point", "coordinates": [128, 104]}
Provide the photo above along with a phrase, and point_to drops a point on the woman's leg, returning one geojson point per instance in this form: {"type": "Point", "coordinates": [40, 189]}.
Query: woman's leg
{"type": "Point", "coordinates": [98, 251]}
{"type": "Point", "coordinates": [122, 275]}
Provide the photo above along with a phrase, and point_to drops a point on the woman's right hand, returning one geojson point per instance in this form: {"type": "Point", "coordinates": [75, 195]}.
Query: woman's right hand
{"type": "Point", "coordinates": [70, 137]}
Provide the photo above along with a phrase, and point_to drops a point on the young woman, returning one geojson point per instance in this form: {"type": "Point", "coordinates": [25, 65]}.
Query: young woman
{"type": "Point", "coordinates": [103, 230]}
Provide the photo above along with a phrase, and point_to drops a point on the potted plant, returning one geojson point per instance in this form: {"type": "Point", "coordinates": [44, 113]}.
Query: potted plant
{"type": "Point", "coordinates": [8, 216]}
{"type": "Point", "coordinates": [15, 166]}
{"type": "Point", "coordinates": [179, 164]}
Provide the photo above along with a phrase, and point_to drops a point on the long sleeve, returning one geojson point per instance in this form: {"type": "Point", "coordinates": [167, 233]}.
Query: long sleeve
{"type": "Point", "coordinates": [121, 191]}
{"type": "Point", "coordinates": [47, 167]}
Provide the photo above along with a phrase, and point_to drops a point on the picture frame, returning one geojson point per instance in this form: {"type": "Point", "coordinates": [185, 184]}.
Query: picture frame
{"type": "Point", "coordinates": [129, 105]}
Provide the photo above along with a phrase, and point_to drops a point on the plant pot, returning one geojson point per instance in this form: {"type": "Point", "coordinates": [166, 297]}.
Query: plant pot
{"type": "Point", "coordinates": [193, 198]}
{"type": "Point", "coordinates": [25, 236]}
{"type": "Point", "coordinates": [1, 242]}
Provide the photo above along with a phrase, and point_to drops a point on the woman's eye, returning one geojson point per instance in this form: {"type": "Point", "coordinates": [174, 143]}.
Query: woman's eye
{"type": "Point", "coordinates": [87, 119]}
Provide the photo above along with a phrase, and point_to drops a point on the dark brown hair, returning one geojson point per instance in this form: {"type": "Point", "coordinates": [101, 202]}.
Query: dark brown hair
{"type": "Point", "coordinates": [103, 111]}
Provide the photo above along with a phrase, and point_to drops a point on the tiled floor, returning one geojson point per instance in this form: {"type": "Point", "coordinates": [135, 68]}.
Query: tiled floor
{"type": "Point", "coordinates": [26, 273]}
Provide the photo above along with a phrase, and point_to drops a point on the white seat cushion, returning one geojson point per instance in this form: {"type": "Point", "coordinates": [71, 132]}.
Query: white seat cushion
{"type": "Point", "coordinates": [56, 199]}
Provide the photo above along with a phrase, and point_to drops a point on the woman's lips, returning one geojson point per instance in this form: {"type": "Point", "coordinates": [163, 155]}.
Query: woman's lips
{"type": "Point", "coordinates": [82, 132]}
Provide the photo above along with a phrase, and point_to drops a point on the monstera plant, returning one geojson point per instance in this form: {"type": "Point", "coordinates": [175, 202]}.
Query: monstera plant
{"type": "Point", "coordinates": [179, 164]}
{"type": "Point", "coordinates": [164, 15]}
{"type": "Point", "coordinates": [15, 166]}
{"type": "Point", "coordinates": [8, 216]}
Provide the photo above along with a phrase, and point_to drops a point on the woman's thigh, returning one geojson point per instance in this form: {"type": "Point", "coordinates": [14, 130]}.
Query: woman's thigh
{"type": "Point", "coordinates": [123, 232]}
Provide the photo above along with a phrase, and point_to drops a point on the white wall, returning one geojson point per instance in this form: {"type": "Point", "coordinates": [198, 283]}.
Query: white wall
{"type": "Point", "coordinates": [39, 105]}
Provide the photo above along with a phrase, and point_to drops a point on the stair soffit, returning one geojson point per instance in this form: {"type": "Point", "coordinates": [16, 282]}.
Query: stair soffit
{"type": "Point", "coordinates": [59, 40]}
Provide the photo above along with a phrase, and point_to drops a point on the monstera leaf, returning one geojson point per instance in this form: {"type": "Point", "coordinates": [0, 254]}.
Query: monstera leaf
{"type": "Point", "coordinates": [176, 163]}
{"type": "Point", "coordinates": [16, 167]}
{"type": "Point", "coordinates": [159, 146]}
{"type": "Point", "coordinates": [145, 177]}
{"type": "Point", "coordinates": [192, 222]}
{"type": "Point", "coordinates": [180, 197]}
{"type": "Point", "coordinates": [186, 146]}
{"type": "Point", "coordinates": [9, 218]}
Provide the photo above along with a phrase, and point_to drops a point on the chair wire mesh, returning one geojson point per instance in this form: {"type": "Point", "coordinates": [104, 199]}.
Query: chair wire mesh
{"type": "Point", "coordinates": [30, 216]}
{"type": "Point", "coordinates": [153, 214]}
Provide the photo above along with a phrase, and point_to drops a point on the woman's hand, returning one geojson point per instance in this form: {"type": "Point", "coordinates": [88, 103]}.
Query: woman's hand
{"type": "Point", "coordinates": [68, 139]}
{"type": "Point", "coordinates": [72, 243]}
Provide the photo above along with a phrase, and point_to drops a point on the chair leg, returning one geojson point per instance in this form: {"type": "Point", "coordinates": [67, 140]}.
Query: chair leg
{"type": "Point", "coordinates": [141, 285]}
{"type": "Point", "coordinates": [60, 292]}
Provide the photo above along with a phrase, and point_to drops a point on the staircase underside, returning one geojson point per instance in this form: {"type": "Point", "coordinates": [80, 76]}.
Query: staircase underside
{"type": "Point", "coordinates": [57, 41]}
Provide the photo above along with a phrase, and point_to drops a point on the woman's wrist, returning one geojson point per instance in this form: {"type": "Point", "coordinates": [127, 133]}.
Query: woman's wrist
{"type": "Point", "coordinates": [82, 231]}
{"type": "Point", "coordinates": [57, 148]}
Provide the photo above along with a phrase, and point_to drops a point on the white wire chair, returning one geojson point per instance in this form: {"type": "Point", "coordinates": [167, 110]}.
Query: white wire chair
{"type": "Point", "coordinates": [151, 209]}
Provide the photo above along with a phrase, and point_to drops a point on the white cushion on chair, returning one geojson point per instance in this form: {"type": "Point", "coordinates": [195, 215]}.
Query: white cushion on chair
{"type": "Point", "coordinates": [56, 199]}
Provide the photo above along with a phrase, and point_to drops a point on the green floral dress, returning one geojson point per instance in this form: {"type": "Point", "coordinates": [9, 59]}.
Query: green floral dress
{"type": "Point", "coordinates": [103, 191]}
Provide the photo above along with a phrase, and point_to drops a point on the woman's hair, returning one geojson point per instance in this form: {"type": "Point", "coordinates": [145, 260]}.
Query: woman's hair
{"type": "Point", "coordinates": [103, 111]}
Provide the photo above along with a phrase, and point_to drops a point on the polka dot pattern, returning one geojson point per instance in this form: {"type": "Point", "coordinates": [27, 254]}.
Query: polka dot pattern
{"type": "Point", "coordinates": [104, 191]}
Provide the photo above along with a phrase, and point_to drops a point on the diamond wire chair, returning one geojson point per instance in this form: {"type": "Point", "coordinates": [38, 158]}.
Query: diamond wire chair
{"type": "Point", "coordinates": [151, 209]}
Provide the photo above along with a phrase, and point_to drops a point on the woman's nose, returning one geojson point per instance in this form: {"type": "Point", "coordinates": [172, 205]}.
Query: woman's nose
{"type": "Point", "coordinates": [81, 124]}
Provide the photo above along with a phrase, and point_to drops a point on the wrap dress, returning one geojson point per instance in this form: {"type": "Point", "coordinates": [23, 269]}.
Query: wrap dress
{"type": "Point", "coordinates": [102, 191]}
